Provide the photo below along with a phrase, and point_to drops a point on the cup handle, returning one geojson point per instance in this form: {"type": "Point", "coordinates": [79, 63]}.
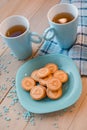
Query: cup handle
{"type": "Point", "coordinates": [49, 33]}
{"type": "Point", "coordinates": [36, 38]}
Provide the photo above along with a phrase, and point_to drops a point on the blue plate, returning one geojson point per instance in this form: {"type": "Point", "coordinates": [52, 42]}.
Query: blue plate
{"type": "Point", "coordinates": [71, 90]}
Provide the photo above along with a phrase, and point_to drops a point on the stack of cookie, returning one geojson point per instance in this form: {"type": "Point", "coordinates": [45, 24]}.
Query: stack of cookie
{"type": "Point", "coordinates": [46, 81]}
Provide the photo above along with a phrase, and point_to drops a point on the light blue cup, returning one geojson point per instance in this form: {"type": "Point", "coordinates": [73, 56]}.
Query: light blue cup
{"type": "Point", "coordinates": [65, 34]}
{"type": "Point", "coordinates": [22, 44]}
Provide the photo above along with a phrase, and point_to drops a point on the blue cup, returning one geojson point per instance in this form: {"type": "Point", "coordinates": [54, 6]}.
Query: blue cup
{"type": "Point", "coordinates": [66, 33]}
{"type": "Point", "coordinates": [20, 45]}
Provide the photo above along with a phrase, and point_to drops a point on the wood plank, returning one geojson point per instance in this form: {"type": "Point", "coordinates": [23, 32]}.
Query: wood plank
{"type": "Point", "coordinates": [80, 120]}
{"type": "Point", "coordinates": [39, 21]}
{"type": "Point", "coordinates": [27, 8]}
{"type": "Point", "coordinates": [3, 47]}
{"type": "Point", "coordinates": [7, 63]}
{"type": "Point", "coordinates": [8, 9]}
{"type": "Point", "coordinates": [11, 113]}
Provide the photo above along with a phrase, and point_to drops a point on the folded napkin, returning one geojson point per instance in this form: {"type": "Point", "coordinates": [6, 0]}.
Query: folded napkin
{"type": "Point", "coordinates": [78, 52]}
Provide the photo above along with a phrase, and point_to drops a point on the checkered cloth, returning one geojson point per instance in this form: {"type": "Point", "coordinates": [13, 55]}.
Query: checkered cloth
{"type": "Point", "coordinates": [78, 52]}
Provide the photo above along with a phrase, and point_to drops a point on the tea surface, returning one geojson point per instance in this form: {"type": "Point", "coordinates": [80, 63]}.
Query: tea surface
{"type": "Point", "coordinates": [15, 31]}
{"type": "Point", "coordinates": [63, 18]}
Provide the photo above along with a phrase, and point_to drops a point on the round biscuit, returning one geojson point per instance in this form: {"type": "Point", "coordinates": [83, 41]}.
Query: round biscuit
{"type": "Point", "coordinates": [28, 83]}
{"type": "Point", "coordinates": [54, 84]}
{"type": "Point", "coordinates": [38, 92]}
{"type": "Point", "coordinates": [54, 94]}
{"type": "Point", "coordinates": [61, 75]}
{"type": "Point", "coordinates": [52, 67]}
{"type": "Point", "coordinates": [43, 72]}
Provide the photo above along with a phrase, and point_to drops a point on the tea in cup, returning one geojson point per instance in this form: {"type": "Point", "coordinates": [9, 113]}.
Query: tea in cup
{"type": "Point", "coordinates": [63, 21]}
{"type": "Point", "coordinates": [15, 32]}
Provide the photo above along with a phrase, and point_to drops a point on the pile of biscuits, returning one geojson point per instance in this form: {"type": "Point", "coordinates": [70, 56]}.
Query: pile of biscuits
{"type": "Point", "coordinates": [46, 81]}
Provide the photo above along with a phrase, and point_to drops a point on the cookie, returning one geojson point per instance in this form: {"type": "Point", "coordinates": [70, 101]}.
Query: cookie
{"type": "Point", "coordinates": [34, 75]}
{"type": "Point", "coordinates": [48, 77]}
{"type": "Point", "coordinates": [52, 67]}
{"type": "Point", "coordinates": [45, 90]}
{"type": "Point", "coordinates": [43, 72]}
{"type": "Point", "coordinates": [54, 94]}
{"type": "Point", "coordinates": [44, 80]}
{"type": "Point", "coordinates": [54, 84]}
{"type": "Point", "coordinates": [61, 75]}
{"type": "Point", "coordinates": [38, 92]}
{"type": "Point", "coordinates": [28, 83]}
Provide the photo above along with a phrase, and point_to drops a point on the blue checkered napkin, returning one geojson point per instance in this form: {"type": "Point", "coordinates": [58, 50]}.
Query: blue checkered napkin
{"type": "Point", "coordinates": [78, 52]}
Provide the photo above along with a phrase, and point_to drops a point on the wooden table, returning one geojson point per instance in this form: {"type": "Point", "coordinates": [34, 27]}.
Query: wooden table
{"type": "Point", "coordinates": [12, 114]}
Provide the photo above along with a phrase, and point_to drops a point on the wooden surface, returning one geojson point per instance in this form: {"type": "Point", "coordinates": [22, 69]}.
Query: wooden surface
{"type": "Point", "coordinates": [11, 112]}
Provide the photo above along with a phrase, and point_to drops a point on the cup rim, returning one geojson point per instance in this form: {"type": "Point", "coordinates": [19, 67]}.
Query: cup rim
{"type": "Point", "coordinates": [20, 16]}
{"type": "Point", "coordinates": [60, 5]}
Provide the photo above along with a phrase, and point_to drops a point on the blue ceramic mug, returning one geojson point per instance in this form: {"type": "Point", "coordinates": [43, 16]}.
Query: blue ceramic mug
{"type": "Point", "coordinates": [65, 33]}
{"type": "Point", "coordinates": [20, 45]}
